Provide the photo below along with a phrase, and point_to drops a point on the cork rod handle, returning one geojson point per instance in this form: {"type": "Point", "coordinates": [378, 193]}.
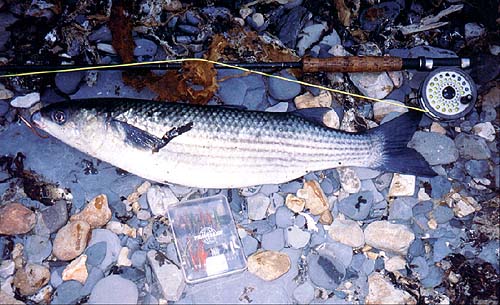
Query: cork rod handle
{"type": "Point", "coordinates": [353, 64]}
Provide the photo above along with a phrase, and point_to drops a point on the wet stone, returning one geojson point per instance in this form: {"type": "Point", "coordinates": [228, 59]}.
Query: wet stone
{"type": "Point", "coordinates": [274, 240]}
{"type": "Point", "coordinates": [168, 275]}
{"type": "Point", "coordinates": [442, 214]}
{"type": "Point", "coordinates": [324, 271]}
{"type": "Point", "coordinates": [477, 168]}
{"type": "Point", "coordinates": [304, 293]}
{"type": "Point", "coordinates": [356, 206]}
{"type": "Point", "coordinates": [67, 293]}
{"type": "Point", "coordinates": [299, 221]}
{"type": "Point", "coordinates": [71, 240]}
{"type": "Point", "coordinates": [472, 147]}
{"type": "Point", "coordinates": [114, 289]}
{"type": "Point", "coordinates": [434, 278]}
{"type": "Point", "coordinates": [435, 148]}
{"type": "Point", "coordinates": [249, 245]}
{"type": "Point", "coordinates": [94, 276]}
{"type": "Point", "coordinates": [37, 248]}
{"type": "Point", "coordinates": [309, 35]}
{"type": "Point", "coordinates": [283, 90]}
{"type": "Point", "coordinates": [269, 265]}
{"type": "Point", "coordinates": [402, 208]}
{"type": "Point", "coordinates": [144, 49]}
{"type": "Point", "coordinates": [16, 219]}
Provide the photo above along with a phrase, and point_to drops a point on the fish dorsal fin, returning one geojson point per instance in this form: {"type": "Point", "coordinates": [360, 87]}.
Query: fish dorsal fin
{"type": "Point", "coordinates": [236, 107]}
{"type": "Point", "coordinates": [314, 115]}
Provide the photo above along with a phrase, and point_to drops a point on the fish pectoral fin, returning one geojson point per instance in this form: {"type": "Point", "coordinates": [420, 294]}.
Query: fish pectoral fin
{"type": "Point", "coordinates": [172, 133]}
{"type": "Point", "coordinates": [314, 115]}
{"type": "Point", "coordinates": [136, 136]}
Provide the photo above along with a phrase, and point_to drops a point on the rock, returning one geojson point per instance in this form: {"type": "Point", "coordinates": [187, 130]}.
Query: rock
{"type": "Point", "coordinates": [279, 107]}
{"type": "Point", "coordinates": [249, 245]}
{"type": "Point", "coordinates": [269, 265]}
{"type": "Point", "coordinates": [15, 219]}
{"type": "Point", "coordinates": [296, 238]}
{"type": "Point", "coordinates": [144, 49]}
{"type": "Point", "coordinates": [395, 263]}
{"type": "Point", "coordinates": [31, 278]}
{"type": "Point", "coordinates": [388, 236]}
{"type": "Point", "coordinates": [326, 218]}
{"type": "Point", "coordinates": [274, 240]}
{"type": "Point", "coordinates": [71, 240]}
{"type": "Point", "coordinates": [485, 131]}
{"type": "Point", "coordinates": [440, 187]}
{"type": "Point", "coordinates": [356, 206]}
{"type": "Point", "coordinates": [437, 128]}
{"type": "Point", "coordinates": [462, 205]}
{"type": "Point", "coordinates": [67, 293]}
{"type": "Point", "coordinates": [315, 199]}
{"type": "Point", "coordinates": [103, 34]}
{"type": "Point", "coordinates": [472, 147]}
{"type": "Point", "coordinates": [376, 85]}
{"type": "Point", "coordinates": [159, 198]}
{"type": "Point", "coordinates": [114, 289]}
{"type": "Point", "coordinates": [307, 100]}
{"type": "Point", "coordinates": [295, 203]}
{"type": "Point", "coordinates": [402, 185]}
{"type": "Point", "coordinates": [26, 101]}
{"type": "Point", "coordinates": [258, 20]}
{"type": "Point", "coordinates": [69, 82]}
{"type": "Point", "coordinates": [113, 246]}
{"type": "Point", "coordinates": [402, 208]}
{"type": "Point", "coordinates": [7, 299]}
{"type": "Point", "coordinates": [96, 253]}
{"type": "Point", "coordinates": [123, 259]}
{"type": "Point", "coordinates": [325, 271]}
{"type": "Point", "coordinates": [382, 291]}
{"type": "Point", "coordinates": [347, 232]}
{"type": "Point", "coordinates": [284, 217]}
{"type": "Point", "coordinates": [309, 35]}
{"type": "Point", "coordinates": [96, 213]}
{"type": "Point", "coordinates": [4, 95]}
{"type": "Point", "coordinates": [283, 90]}
{"type": "Point", "coordinates": [304, 293]}
{"type": "Point", "coordinates": [289, 25]}
{"type": "Point", "coordinates": [380, 109]}
{"type": "Point", "coordinates": [477, 168]}
{"type": "Point", "coordinates": [7, 268]}
{"type": "Point", "coordinates": [473, 31]}
{"type": "Point", "coordinates": [435, 148]}
{"type": "Point", "coordinates": [349, 180]}
{"type": "Point", "coordinates": [37, 248]}
{"type": "Point", "coordinates": [76, 270]}
{"type": "Point", "coordinates": [168, 275]}
{"type": "Point", "coordinates": [95, 275]}
{"type": "Point", "coordinates": [55, 216]}
{"type": "Point", "coordinates": [121, 228]}
{"type": "Point", "coordinates": [383, 181]}
{"type": "Point", "coordinates": [257, 206]}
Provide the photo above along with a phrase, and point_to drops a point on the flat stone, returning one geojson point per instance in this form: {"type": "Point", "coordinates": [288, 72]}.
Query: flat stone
{"type": "Point", "coordinates": [381, 291]}
{"type": "Point", "coordinates": [96, 253]}
{"type": "Point", "coordinates": [257, 206]}
{"type": "Point", "coordinates": [279, 107]}
{"type": "Point", "coordinates": [269, 265]}
{"type": "Point", "coordinates": [76, 270]}
{"type": "Point", "coordinates": [8, 299]}
{"type": "Point", "coordinates": [485, 131]}
{"type": "Point", "coordinates": [114, 289]}
{"type": "Point", "coordinates": [71, 240]}
{"type": "Point", "coordinates": [145, 47]}
{"type": "Point", "coordinates": [26, 101]}
{"type": "Point", "coordinates": [402, 185]}
{"type": "Point", "coordinates": [123, 259]}
{"type": "Point", "coordinates": [159, 198]}
{"type": "Point", "coordinates": [296, 238]}
{"type": "Point", "coordinates": [473, 31]}
{"type": "Point", "coordinates": [434, 147]}
{"type": "Point", "coordinates": [309, 35]}
{"type": "Point", "coordinates": [69, 82]}
{"type": "Point", "coordinates": [307, 100]}
{"type": "Point", "coordinates": [437, 128]}
{"type": "Point", "coordinates": [387, 236]}
{"type": "Point", "coordinates": [395, 263]}
{"type": "Point", "coordinates": [315, 199]}
{"type": "Point", "coordinates": [37, 248]}
{"type": "Point", "coordinates": [325, 271]}
{"type": "Point", "coordinates": [402, 208]}
{"type": "Point", "coordinates": [168, 275]}
{"type": "Point", "coordinates": [381, 109]}
{"type": "Point", "coordinates": [274, 240]}
{"type": "Point", "coordinates": [95, 275]}
{"type": "Point", "coordinates": [347, 232]}
{"type": "Point", "coordinates": [15, 219]}
{"type": "Point", "coordinates": [113, 246]}
{"type": "Point", "coordinates": [96, 213]}
{"type": "Point", "coordinates": [249, 245]}
{"type": "Point", "coordinates": [31, 278]}
{"type": "Point", "coordinates": [67, 293]}
{"type": "Point", "coordinates": [472, 147]}
{"type": "Point", "coordinates": [55, 216]}
{"type": "Point", "coordinates": [283, 90]}
{"type": "Point", "coordinates": [304, 293]}
{"type": "Point", "coordinates": [376, 85]}
{"type": "Point", "coordinates": [349, 180]}
{"type": "Point", "coordinates": [356, 206]}
{"type": "Point", "coordinates": [440, 187]}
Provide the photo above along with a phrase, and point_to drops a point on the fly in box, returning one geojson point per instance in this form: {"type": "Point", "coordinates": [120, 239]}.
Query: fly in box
{"type": "Point", "coordinates": [206, 238]}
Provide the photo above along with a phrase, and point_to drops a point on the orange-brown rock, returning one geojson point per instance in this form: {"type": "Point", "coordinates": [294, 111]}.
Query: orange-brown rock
{"type": "Point", "coordinates": [76, 270]}
{"type": "Point", "coordinates": [71, 240]}
{"type": "Point", "coordinates": [96, 213]}
{"type": "Point", "coordinates": [315, 199]}
{"type": "Point", "coordinates": [15, 218]}
{"type": "Point", "coordinates": [31, 278]}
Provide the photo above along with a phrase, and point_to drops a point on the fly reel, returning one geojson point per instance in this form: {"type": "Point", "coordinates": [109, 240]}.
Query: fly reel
{"type": "Point", "coordinates": [448, 94]}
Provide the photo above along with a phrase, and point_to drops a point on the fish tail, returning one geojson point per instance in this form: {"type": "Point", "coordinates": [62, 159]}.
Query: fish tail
{"type": "Point", "coordinates": [396, 156]}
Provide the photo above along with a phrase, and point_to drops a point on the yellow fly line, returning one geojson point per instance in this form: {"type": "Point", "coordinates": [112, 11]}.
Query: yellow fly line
{"type": "Point", "coordinates": [180, 60]}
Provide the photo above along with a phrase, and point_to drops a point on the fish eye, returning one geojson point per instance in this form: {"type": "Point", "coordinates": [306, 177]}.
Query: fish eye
{"type": "Point", "coordinates": [59, 117]}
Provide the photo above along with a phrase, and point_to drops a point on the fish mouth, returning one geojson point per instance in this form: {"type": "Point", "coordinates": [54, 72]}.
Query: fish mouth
{"type": "Point", "coordinates": [36, 120]}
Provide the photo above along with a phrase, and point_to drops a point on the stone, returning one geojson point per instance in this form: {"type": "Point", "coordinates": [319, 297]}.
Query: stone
{"type": "Point", "coordinates": [376, 85]}
{"type": "Point", "coordinates": [463, 206]}
{"type": "Point", "coordinates": [295, 203]}
{"type": "Point", "coordinates": [274, 240]}
{"type": "Point", "coordinates": [96, 253]}
{"type": "Point", "coordinates": [437, 128]}
{"type": "Point", "coordinates": [168, 275]}
{"type": "Point", "coordinates": [381, 109]}
{"type": "Point", "coordinates": [325, 271]}
{"type": "Point", "coordinates": [402, 185]}
{"type": "Point", "coordinates": [113, 246]}
{"type": "Point", "coordinates": [296, 238]}
{"type": "Point", "coordinates": [402, 208]}
{"type": "Point", "coordinates": [472, 147]}
{"type": "Point", "coordinates": [144, 49]}
{"type": "Point", "coordinates": [307, 100]}
{"type": "Point", "coordinates": [55, 216]}
{"type": "Point", "coordinates": [315, 199]}
{"type": "Point", "coordinates": [347, 232]}
{"type": "Point", "coordinates": [473, 31]}
{"type": "Point", "coordinates": [440, 186]}
{"type": "Point", "coordinates": [477, 168]}
{"type": "Point", "coordinates": [309, 35]}
{"type": "Point", "coordinates": [67, 293]}
{"type": "Point", "coordinates": [114, 289]}
{"type": "Point", "coordinates": [326, 218]}
{"type": "Point", "coordinates": [69, 82]}
{"type": "Point", "coordinates": [37, 248]}
{"type": "Point", "coordinates": [121, 228]}
{"type": "Point", "coordinates": [7, 268]}
{"type": "Point", "coordinates": [123, 259]}
{"type": "Point", "coordinates": [395, 263]}
{"type": "Point", "coordinates": [349, 180]}
{"type": "Point", "coordinates": [356, 206]}
{"type": "Point", "coordinates": [96, 213]}
{"type": "Point", "coordinates": [390, 237]}
{"type": "Point", "coordinates": [279, 107]}
{"type": "Point", "coordinates": [283, 90]}
{"type": "Point", "coordinates": [257, 206]}
{"type": "Point", "coordinates": [71, 240]}
{"type": "Point", "coordinates": [381, 291]}
{"type": "Point", "coordinates": [26, 101]}
{"type": "Point", "coordinates": [95, 275]}
{"type": "Point", "coordinates": [159, 198]}
{"type": "Point", "coordinates": [8, 299]}
{"type": "Point", "coordinates": [76, 270]}
{"type": "Point", "coordinates": [249, 245]}
{"type": "Point", "coordinates": [106, 47]}
{"type": "Point", "coordinates": [31, 278]}
{"type": "Point", "coordinates": [284, 217]}
{"type": "Point", "coordinates": [269, 265]}
{"type": "Point", "coordinates": [434, 147]}
{"type": "Point", "coordinates": [15, 219]}
{"type": "Point", "coordinates": [485, 131]}
{"type": "Point", "coordinates": [304, 293]}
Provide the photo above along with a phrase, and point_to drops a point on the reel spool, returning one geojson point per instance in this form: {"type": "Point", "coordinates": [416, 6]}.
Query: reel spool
{"type": "Point", "coordinates": [448, 94]}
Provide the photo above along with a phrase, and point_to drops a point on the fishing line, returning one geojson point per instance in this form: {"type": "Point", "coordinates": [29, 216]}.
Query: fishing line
{"type": "Point", "coordinates": [181, 60]}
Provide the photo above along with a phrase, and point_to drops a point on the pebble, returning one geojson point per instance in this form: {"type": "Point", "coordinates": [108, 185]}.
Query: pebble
{"type": "Point", "coordinates": [26, 101]}
{"type": "Point", "coordinates": [145, 48]}
{"type": "Point", "coordinates": [103, 33]}
{"type": "Point", "coordinates": [349, 180]}
{"type": "Point", "coordinates": [269, 265]}
{"type": "Point", "coordinates": [434, 147]}
{"type": "Point", "coordinates": [31, 278]}
{"type": "Point", "coordinates": [402, 185]}
{"type": "Point", "coordinates": [326, 218]}
{"type": "Point", "coordinates": [295, 203]}
{"type": "Point", "coordinates": [112, 243]}
{"type": "Point", "coordinates": [96, 213]}
{"type": "Point", "coordinates": [376, 85]}
{"type": "Point", "coordinates": [463, 205]}
{"type": "Point", "coordinates": [477, 168]}
{"type": "Point", "coordinates": [8, 299]}
{"type": "Point", "coordinates": [96, 253]}
{"type": "Point", "coordinates": [472, 147]}
{"type": "Point", "coordinates": [296, 238]}
{"type": "Point", "coordinates": [304, 293]}
{"type": "Point", "coordinates": [440, 186]}
{"type": "Point", "coordinates": [71, 240]}
{"type": "Point", "coordinates": [315, 199]}
{"type": "Point", "coordinates": [121, 228]}
{"type": "Point", "coordinates": [284, 217]}
{"type": "Point", "coordinates": [168, 275]}
{"type": "Point", "coordinates": [249, 245]}
{"type": "Point", "coordinates": [76, 270]}
{"type": "Point", "coordinates": [356, 206]}
{"type": "Point", "coordinates": [485, 131]}
{"type": "Point", "coordinates": [309, 35]}
{"type": "Point", "coordinates": [381, 291]}
{"type": "Point", "coordinates": [257, 206]}
{"type": "Point", "coordinates": [383, 181]}
{"type": "Point", "coordinates": [55, 216]}
{"type": "Point", "coordinates": [68, 82]}
{"type": "Point", "coordinates": [159, 198]}
{"type": "Point", "coordinates": [437, 128]}
{"type": "Point", "coordinates": [279, 107]}
{"type": "Point", "coordinates": [274, 240]}
{"type": "Point", "coordinates": [95, 275]}
{"type": "Point", "coordinates": [402, 208]}
{"type": "Point", "coordinates": [473, 31]}
{"type": "Point", "coordinates": [283, 90]}
{"type": "Point", "coordinates": [67, 293]}
{"type": "Point", "coordinates": [381, 109]}
{"type": "Point", "coordinates": [15, 219]}
{"type": "Point", "coordinates": [114, 289]}
{"type": "Point", "coordinates": [7, 268]}
{"type": "Point", "coordinates": [395, 263]}
{"type": "Point", "coordinates": [324, 271]}
{"type": "Point", "coordinates": [307, 100]}
{"type": "Point", "coordinates": [37, 248]}
{"type": "Point", "coordinates": [347, 232]}
{"type": "Point", "coordinates": [389, 237]}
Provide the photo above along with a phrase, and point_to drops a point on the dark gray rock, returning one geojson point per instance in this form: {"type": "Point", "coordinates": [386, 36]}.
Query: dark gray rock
{"type": "Point", "coordinates": [385, 11]}
{"type": "Point", "coordinates": [290, 25]}
{"type": "Point", "coordinates": [284, 217]}
{"type": "Point", "coordinates": [402, 208]}
{"type": "Point", "coordinates": [283, 90]}
{"type": "Point", "coordinates": [300, 221]}
{"type": "Point", "coordinates": [440, 186]}
{"type": "Point", "coordinates": [356, 206]}
{"type": "Point", "coordinates": [488, 114]}
{"type": "Point", "coordinates": [113, 246]}
{"type": "Point", "coordinates": [138, 259]}
{"type": "Point", "coordinates": [420, 266]}
{"type": "Point", "coordinates": [423, 207]}
{"type": "Point", "coordinates": [4, 107]}
{"type": "Point", "coordinates": [416, 249]}
{"type": "Point", "coordinates": [192, 18]}
{"type": "Point", "coordinates": [319, 237]}
{"type": "Point", "coordinates": [188, 29]}
{"type": "Point", "coordinates": [95, 275]}
{"type": "Point", "coordinates": [145, 49]}
{"type": "Point", "coordinates": [56, 276]}
{"type": "Point", "coordinates": [249, 245]}
{"type": "Point", "coordinates": [96, 253]}
{"type": "Point", "coordinates": [69, 83]}
{"type": "Point", "coordinates": [67, 293]}
{"type": "Point", "coordinates": [324, 271]}
{"type": "Point", "coordinates": [102, 34]}
{"type": "Point", "coordinates": [440, 250]}
{"type": "Point", "coordinates": [274, 240]}
{"type": "Point", "coordinates": [434, 147]}
{"type": "Point", "coordinates": [490, 253]}
{"type": "Point", "coordinates": [434, 278]}
{"type": "Point", "coordinates": [327, 186]}
{"type": "Point", "coordinates": [477, 168]}
{"type": "Point", "coordinates": [291, 187]}
{"type": "Point", "coordinates": [37, 248]}
{"type": "Point", "coordinates": [472, 147]}
{"type": "Point", "coordinates": [442, 214]}
{"type": "Point", "coordinates": [55, 216]}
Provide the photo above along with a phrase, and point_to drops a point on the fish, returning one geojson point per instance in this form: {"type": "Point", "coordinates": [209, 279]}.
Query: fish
{"type": "Point", "coordinates": [225, 147]}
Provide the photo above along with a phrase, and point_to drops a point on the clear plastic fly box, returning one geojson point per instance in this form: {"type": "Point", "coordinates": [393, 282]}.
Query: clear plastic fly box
{"type": "Point", "coordinates": [206, 238]}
